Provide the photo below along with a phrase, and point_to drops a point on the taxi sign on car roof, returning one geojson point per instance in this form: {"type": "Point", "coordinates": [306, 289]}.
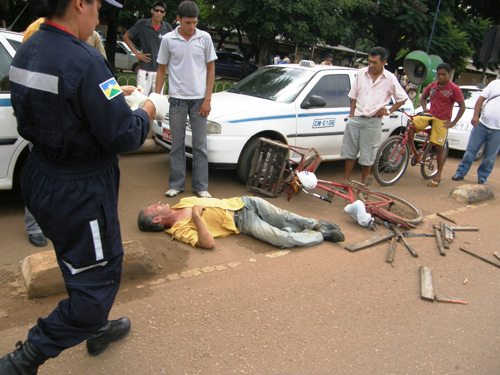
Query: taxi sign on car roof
{"type": "Point", "coordinates": [307, 63]}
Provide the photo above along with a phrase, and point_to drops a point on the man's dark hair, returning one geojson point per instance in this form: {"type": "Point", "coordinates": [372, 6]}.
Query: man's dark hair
{"type": "Point", "coordinates": [145, 223]}
{"type": "Point", "coordinates": [379, 51]}
{"type": "Point", "coordinates": [52, 8]}
{"type": "Point", "coordinates": [444, 66]}
{"type": "Point", "coordinates": [159, 4]}
{"type": "Point", "coordinates": [188, 9]}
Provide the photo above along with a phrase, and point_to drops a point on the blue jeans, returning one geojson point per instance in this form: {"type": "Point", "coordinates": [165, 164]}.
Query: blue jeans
{"type": "Point", "coordinates": [30, 223]}
{"type": "Point", "coordinates": [491, 139]}
{"type": "Point", "coordinates": [281, 228]}
{"type": "Point", "coordinates": [179, 111]}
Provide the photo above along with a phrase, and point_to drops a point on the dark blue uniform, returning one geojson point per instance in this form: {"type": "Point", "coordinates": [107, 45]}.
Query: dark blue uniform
{"type": "Point", "coordinates": [69, 106]}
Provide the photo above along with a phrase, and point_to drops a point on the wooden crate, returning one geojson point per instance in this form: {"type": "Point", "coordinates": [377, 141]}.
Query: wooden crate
{"type": "Point", "coordinates": [269, 171]}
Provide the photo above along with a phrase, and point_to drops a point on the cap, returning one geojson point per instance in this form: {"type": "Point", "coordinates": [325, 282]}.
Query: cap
{"type": "Point", "coordinates": [114, 3]}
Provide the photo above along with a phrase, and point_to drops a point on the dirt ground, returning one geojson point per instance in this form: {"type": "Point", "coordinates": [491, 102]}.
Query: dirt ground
{"type": "Point", "coordinates": [247, 307]}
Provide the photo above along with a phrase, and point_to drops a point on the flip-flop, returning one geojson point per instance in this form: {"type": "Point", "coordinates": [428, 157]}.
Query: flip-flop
{"type": "Point", "coordinates": [433, 183]}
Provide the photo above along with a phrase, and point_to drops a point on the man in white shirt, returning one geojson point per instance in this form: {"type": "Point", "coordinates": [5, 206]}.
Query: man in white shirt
{"type": "Point", "coordinates": [486, 123]}
{"type": "Point", "coordinates": [370, 94]}
{"type": "Point", "coordinates": [189, 56]}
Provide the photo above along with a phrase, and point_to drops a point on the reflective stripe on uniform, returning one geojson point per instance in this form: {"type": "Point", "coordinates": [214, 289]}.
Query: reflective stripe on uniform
{"type": "Point", "coordinates": [34, 80]}
{"type": "Point", "coordinates": [74, 270]}
{"type": "Point", "coordinates": [96, 235]}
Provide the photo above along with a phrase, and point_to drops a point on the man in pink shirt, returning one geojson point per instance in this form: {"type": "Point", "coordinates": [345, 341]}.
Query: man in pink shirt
{"type": "Point", "coordinates": [370, 94]}
{"type": "Point", "coordinates": [443, 94]}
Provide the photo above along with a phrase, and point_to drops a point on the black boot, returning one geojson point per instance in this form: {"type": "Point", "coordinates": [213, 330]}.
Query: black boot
{"type": "Point", "coordinates": [114, 330]}
{"type": "Point", "coordinates": [329, 231]}
{"type": "Point", "coordinates": [25, 360]}
{"type": "Point", "coordinates": [326, 225]}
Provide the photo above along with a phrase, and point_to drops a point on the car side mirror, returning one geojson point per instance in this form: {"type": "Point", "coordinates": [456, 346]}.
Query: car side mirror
{"type": "Point", "coordinates": [314, 101]}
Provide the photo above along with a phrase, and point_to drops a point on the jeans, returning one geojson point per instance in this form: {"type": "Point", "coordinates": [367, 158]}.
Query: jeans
{"type": "Point", "coordinates": [30, 223]}
{"type": "Point", "coordinates": [491, 139]}
{"type": "Point", "coordinates": [281, 228]}
{"type": "Point", "coordinates": [179, 110]}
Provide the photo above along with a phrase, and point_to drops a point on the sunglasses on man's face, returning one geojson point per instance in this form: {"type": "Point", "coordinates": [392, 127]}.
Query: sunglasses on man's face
{"type": "Point", "coordinates": [159, 10]}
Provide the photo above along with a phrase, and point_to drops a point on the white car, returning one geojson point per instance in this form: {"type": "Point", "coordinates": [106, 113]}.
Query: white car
{"type": "Point", "coordinates": [13, 148]}
{"type": "Point", "coordinates": [458, 136]}
{"type": "Point", "coordinates": [299, 104]}
{"type": "Point", "coordinates": [124, 57]}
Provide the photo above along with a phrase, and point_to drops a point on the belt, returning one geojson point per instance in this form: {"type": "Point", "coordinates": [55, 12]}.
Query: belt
{"type": "Point", "coordinates": [236, 217]}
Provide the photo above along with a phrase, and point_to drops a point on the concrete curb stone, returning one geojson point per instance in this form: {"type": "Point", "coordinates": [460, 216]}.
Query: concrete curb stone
{"type": "Point", "coordinates": [42, 277]}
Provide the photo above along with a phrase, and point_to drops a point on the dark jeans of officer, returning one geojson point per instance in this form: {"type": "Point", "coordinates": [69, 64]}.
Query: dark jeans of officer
{"type": "Point", "coordinates": [77, 209]}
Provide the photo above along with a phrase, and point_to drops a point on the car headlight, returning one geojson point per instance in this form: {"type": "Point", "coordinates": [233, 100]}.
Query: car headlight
{"type": "Point", "coordinates": [213, 127]}
{"type": "Point", "coordinates": [463, 125]}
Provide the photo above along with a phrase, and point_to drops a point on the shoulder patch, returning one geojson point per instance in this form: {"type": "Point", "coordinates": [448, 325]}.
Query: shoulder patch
{"type": "Point", "coordinates": [110, 88]}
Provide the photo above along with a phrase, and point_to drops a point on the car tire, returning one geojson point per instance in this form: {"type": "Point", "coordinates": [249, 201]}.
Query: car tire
{"type": "Point", "coordinates": [245, 160]}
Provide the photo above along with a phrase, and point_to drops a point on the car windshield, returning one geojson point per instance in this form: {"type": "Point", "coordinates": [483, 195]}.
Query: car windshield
{"type": "Point", "coordinates": [470, 97]}
{"type": "Point", "coordinates": [280, 84]}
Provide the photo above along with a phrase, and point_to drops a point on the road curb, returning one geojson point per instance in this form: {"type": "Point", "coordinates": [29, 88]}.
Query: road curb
{"type": "Point", "coordinates": [42, 277]}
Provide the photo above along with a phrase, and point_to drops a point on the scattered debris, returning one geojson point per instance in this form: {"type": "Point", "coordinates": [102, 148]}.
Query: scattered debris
{"type": "Point", "coordinates": [450, 300]}
{"type": "Point", "coordinates": [466, 280]}
{"type": "Point", "coordinates": [480, 257]}
{"type": "Point", "coordinates": [392, 250]}
{"type": "Point", "coordinates": [464, 229]}
{"type": "Point", "coordinates": [446, 218]}
{"type": "Point", "coordinates": [439, 240]}
{"type": "Point", "coordinates": [426, 288]}
{"type": "Point", "coordinates": [370, 242]}
{"type": "Point", "coordinates": [405, 242]}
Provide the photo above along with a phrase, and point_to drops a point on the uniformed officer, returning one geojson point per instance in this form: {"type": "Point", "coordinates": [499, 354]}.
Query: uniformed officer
{"type": "Point", "coordinates": [70, 107]}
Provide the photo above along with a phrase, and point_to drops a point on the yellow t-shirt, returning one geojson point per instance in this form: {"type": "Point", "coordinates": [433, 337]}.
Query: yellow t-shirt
{"type": "Point", "coordinates": [217, 216]}
{"type": "Point", "coordinates": [32, 28]}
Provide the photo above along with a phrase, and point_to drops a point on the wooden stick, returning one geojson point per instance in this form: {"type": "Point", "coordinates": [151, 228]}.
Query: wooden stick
{"type": "Point", "coordinates": [370, 242]}
{"type": "Point", "coordinates": [405, 242]}
{"type": "Point", "coordinates": [480, 257]}
{"type": "Point", "coordinates": [442, 228]}
{"type": "Point", "coordinates": [392, 250]}
{"type": "Point", "coordinates": [464, 229]}
{"type": "Point", "coordinates": [446, 218]}
{"type": "Point", "coordinates": [448, 233]}
{"type": "Point", "coordinates": [450, 300]}
{"type": "Point", "coordinates": [426, 289]}
{"type": "Point", "coordinates": [439, 240]}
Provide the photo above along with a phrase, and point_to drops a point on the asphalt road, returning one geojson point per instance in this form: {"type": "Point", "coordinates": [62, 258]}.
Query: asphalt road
{"type": "Point", "coordinates": [249, 308]}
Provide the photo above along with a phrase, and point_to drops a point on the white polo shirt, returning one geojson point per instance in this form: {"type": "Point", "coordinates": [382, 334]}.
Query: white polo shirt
{"type": "Point", "coordinates": [186, 62]}
{"type": "Point", "coordinates": [371, 96]}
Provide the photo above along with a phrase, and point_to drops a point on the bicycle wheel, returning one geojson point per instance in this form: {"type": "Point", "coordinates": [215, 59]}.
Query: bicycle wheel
{"type": "Point", "coordinates": [391, 160]}
{"type": "Point", "coordinates": [391, 208]}
{"type": "Point", "coordinates": [429, 164]}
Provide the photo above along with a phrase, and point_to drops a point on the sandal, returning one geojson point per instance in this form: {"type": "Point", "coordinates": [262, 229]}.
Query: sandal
{"type": "Point", "coordinates": [433, 183]}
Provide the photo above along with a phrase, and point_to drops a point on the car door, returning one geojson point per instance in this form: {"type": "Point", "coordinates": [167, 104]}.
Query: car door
{"type": "Point", "coordinates": [323, 128]}
{"type": "Point", "coordinates": [9, 137]}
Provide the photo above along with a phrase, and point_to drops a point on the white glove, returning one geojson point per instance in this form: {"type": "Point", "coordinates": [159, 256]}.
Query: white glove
{"type": "Point", "coordinates": [136, 99]}
{"type": "Point", "coordinates": [161, 104]}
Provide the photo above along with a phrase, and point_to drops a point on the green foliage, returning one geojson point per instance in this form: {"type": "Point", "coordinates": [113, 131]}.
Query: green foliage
{"type": "Point", "coordinates": [451, 43]}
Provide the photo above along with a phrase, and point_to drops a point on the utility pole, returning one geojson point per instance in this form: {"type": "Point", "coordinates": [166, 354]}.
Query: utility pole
{"type": "Point", "coordinates": [433, 27]}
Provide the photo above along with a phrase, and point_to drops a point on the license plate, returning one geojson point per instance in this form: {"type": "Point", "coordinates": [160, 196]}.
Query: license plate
{"type": "Point", "coordinates": [167, 135]}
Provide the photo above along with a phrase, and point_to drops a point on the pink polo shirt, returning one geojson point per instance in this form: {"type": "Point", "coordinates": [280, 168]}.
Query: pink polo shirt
{"type": "Point", "coordinates": [371, 96]}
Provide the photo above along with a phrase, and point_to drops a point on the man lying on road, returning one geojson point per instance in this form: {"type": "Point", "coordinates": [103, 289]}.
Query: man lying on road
{"type": "Point", "coordinates": [197, 221]}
